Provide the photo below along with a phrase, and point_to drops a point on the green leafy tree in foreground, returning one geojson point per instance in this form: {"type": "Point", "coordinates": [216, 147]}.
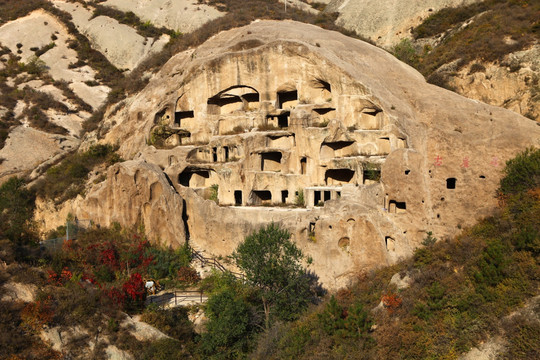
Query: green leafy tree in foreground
{"type": "Point", "coordinates": [272, 263]}
{"type": "Point", "coordinates": [16, 211]}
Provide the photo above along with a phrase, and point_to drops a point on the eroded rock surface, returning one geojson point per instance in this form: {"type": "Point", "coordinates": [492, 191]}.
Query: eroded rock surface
{"type": "Point", "coordinates": [180, 15]}
{"type": "Point", "coordinates": [258, 114]}
{"type": "Point", "coordinates": [387, 21]}
{"type": "Point", "coordinates": [26, 148]}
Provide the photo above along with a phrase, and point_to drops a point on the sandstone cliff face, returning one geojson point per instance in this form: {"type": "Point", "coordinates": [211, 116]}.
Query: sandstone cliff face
{"type": "Point", "coordinates": [136, 192]}
{"type": "Point", "coordinates": [277, 108]}
{"type": "Point", "coordinates": [513, 84]}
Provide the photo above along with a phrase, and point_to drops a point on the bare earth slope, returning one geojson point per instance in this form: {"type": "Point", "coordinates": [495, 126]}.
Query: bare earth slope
{"type": "Point", "coordinates": [259, 113]}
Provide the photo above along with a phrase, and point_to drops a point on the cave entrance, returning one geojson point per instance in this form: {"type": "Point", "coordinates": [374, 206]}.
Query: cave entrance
{"type": "Point", "coordinates": [238, 197]}
{"type": "Point", "coordinates": [261, 197]}
{"type": "Point", "coordinates": [397, 207]}
{"type": "Point", "coordinates": [338, 176]}
{"type": "Point", "coordinates": [183, 115]}
{"type": "Point", "coordinates": [194, 177]}
{"type": "Point", "coordinates": [284, 196]}
{"type": "Point", "coordinates": [303, 165]}
{"type": "Point", "coordinates": [287, 99]}
{"type": "Point", "coordinates": [271, 161]}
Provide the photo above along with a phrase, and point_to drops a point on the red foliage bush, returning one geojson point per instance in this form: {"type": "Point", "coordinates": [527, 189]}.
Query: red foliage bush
{"type": "Point", "coordinates": [188, 275]}
{"type": "Point", "coordinates": [134, 287]}
{"type": "Point", "coordinates": [391, 302]}
{"type": "Point", "coordinates": [37, 314]}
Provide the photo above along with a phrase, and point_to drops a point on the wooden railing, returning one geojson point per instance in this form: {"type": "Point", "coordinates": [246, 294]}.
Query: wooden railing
{"type": "Point", "coordinates": [178, 295]}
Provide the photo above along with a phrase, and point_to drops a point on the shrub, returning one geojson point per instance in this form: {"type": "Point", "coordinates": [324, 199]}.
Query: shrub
{"type": "Point", "coordinates": [16, 211]}
{"type": "Point", "coordinates": [173, 322]}
{"type": "Point", "coordinates": [521, 173]}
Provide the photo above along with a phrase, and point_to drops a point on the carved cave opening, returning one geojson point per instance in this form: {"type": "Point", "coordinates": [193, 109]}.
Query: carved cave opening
{"type": "Point", "coordinates": [194, 177]}
{"type": "Point", "coordinates": [284, 196]}
{"type": "Point", "coordinates": [271, 161]}
{"type": "Point", "coordinates": [338, 176]}
{"type": "Point", "coordinates": [238, 197]}
{"type": "Point", "coordinates": [183, 115]}
{"type": "Point", "coordinates": [261, 197]}
{"type": "Point", "coordinates": [286, 99]}
{"type": "Point", "coordinates": [397, 206]}
{"type": "Point", "coordinates": [451, 183]}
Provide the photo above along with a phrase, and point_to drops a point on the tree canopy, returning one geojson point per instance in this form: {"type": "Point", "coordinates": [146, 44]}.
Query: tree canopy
{"type": "Point", "coordinates": [272, 263]}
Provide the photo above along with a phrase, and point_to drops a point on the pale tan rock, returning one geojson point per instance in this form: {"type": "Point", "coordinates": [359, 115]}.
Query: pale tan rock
{"type": "Point", "coordinates": [141, 330]}
{"type": "Point", "coordinates": [13, 291]}
{"type": "Point", "coordinates": [119, 43]}
{"type": "Point", "coordinates": [342, 109]}
{"type": "Point", "coordinates": [386, 22]}
{"type": "Point", "coordinates": [511, 83]}
{"type": "Point", "coordinates": [137, 193]}
{"type": "Point", "coordinates": [181, 15]}
{"type": "Point", "coordinates": [26, 148]}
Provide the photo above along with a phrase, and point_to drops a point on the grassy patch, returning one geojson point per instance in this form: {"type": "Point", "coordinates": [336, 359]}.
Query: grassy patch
{"type": "Point", "coordinates": [67, 179]}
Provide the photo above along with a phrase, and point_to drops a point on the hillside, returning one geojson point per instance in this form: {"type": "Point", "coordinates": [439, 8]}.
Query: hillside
{"type": "Point", "coordinates": [317, 179]}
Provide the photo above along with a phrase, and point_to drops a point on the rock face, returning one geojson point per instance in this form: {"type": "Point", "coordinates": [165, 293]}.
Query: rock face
{"type": "Point", "coordinates": [119, 43]}
{"type": "Point", "coordinates": [138, 193]}
{"type": "Point", "coordinates": [261, 113]}
{"type": "Point", "coordinates": [387, 21]}
{"type": "Point", "coordinates": [513, 84]}
{"type": "Point", "coordinates": [26, 148]}
{"type": "Point", "coordinates": [180, 15]}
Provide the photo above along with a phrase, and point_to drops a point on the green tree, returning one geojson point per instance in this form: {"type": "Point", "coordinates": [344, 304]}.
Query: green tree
{"type": "Point", "coordinates": [229, 326]}
{"type": "Point", "coordinates": [273, 264]}
{"type": "Point", "coordinates": [16, 211]}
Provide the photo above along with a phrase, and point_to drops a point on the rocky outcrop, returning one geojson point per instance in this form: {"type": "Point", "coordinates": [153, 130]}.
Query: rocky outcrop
{"type": "Point", "coordinates": [386, 22]}
{"type": "Point", "coordinates": [137, 192]}
{"type": "Point", "coordinates": [514, 83]}
{"type": "Point", "coordinates": [259, 117]}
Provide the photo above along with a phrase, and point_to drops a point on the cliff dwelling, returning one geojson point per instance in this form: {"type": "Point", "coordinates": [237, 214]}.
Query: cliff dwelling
{"type": "Point", "coordinates": [345, 147]}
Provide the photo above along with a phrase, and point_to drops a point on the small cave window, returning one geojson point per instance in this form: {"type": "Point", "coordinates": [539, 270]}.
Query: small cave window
{"type": "Point", "coordinates": [451, 183]}
{"type": "Point", "coordinates": [238, 197]}
{"type": "Point", "coordinates": [338, 176]}
{"type": "Point", "coordinates": [338, 144]}
{"type": "Point", "coordinates": [283, 119]}
{"type": "Point", "coordinates": [284, 196]}
{"type": "Point", "coordinates": [271, 161]}
{"type": "Point", "coordinates": [193, 177]}
{"type": "Point", "coordinates": [316, 197]}
{"type": "Point", "coordinates": [482, 177]}
{"type": "Point", "coordinates": [390, 243]}
{"type": "Point", "coordinates": [226, 149]}
{"type": "Point", "coordinates": [214, 154]}
{"type": "Point", "coordinates": [371, 111]}
{"type": "Point", "coordinates": [372, 173]}
{"type": "Point", "coordinates": [286, 98]}
{"type": "Point", "coordinates": [261, 197]}
{"type": "Point", "coordinates": [183, 115]}
{"type": "Point", "coordinates": [312, 227]}
{"type": "Point", "coordinates": [303, 165]}
{"type": "Point", "coordinates": [407, 172]}
{"type": "Point", "coordinates": [327, 195]}
{"type": "Point", "coordinates": [323, 111]}
{"type": "Point", "coordinates": [397, 206]}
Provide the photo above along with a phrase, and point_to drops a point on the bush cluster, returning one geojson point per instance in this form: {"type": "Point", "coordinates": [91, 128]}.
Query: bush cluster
{"type": "Point", "coordinates": [67, 179]}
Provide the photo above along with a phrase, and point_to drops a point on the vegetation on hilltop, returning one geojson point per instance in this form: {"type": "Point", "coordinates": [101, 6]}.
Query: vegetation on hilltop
{"type": "Point", "coordinates": [501, 27]}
